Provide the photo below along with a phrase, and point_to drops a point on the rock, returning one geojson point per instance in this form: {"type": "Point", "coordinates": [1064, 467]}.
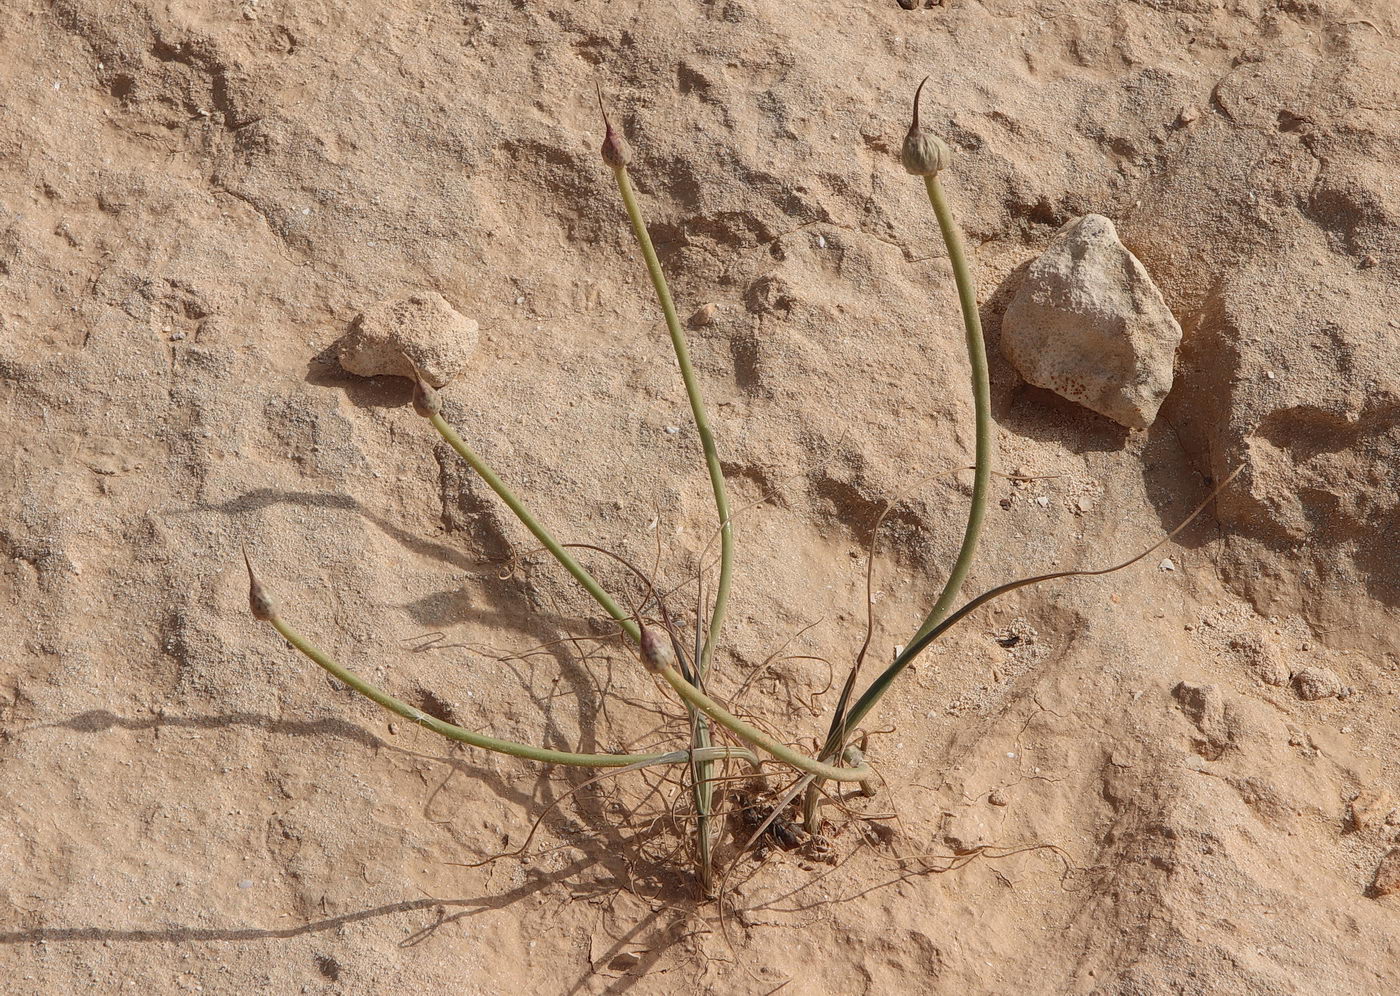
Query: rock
{"type": "Point", "coordinates": [1387, 881]}
{"type": "Point", "coordinates": [1370, 809]}
{"type": "Point", "coordinates": [999, 797]}
{"type": "Point", "coordinates": [438, 338]}
{"type": "Point", "coordinates": [1263, 659]}
{"type": "Point", "coordinates": [1205, 706]}
{"type": "Point", "coordinates": [1313, 683]}
{"type": "Point", "coordinates": [967, 832]}
{"type": "Point", "coordinates": [1271, 671]}
{"type": "Point", "coordinates": [704, 315]}
{"type": "Point", "coordinates": [1089, 324]}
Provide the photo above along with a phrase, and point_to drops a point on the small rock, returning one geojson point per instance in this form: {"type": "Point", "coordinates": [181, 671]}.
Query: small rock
{"type": "Point", "coordinates": [999, 797]}
{"type": "Point", "coordinates": [1271, 671]}
{"type": "Point", "coordinates": [967, 832]}
{"type": "Point", "coordinates": [438, 338]}
{"type": "Point", "coordinates": [1262, 659]}
{"type": "Point", "coordinates": [1188, 114]}
{"type": "Point", "coordinates": [704, 315]}
{"type": "Point", "coordinates": [1166, 565]}
{"type": "Point", "coordinates": [1205, 706]}
{"type": "Point", "coordinates": [1370, 809]}
{"type": "Point", "coordinates": [624, 962]}
{"type": "Point", "coordinates": [246, 883]}
{"type": "Point", "coordinates": [1043, 501]}
{"type": "Point", "coordinates": [1313, 683]}
{"type": "Point", "coordinates": [1387, 881]}
{"type": "Point", "coordinates": [1089, 324]}
{"type": "Point", "coordinates": [770, 293]}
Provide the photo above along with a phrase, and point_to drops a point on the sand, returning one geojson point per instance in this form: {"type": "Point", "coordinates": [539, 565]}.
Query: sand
{"type": "Point", "coordinates": [196, 201]}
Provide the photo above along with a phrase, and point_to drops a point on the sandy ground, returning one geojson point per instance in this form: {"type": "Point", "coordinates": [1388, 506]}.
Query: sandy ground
{"type": "Point", "coordinates": [196, 200]}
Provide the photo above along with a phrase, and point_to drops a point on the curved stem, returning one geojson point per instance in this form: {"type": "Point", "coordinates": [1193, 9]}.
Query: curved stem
{"type": "Point", "coordinates": [916, 646]}
{"type": "Point", "coordinates": [624, 619]}
{"type": "Point", "coordinates": [755, 736]}
{"type": "Point", "coordinates": [981, 398]}
{"type": "Point", "coordinates": [982, 407]}
{"type": "Point", "coordinates": [449, 730]}
{"type": "Point", "coordinates": [697, 409]}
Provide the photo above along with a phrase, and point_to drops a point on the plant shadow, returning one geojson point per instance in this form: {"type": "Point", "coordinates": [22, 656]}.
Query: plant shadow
{"type": "Point", "coordinates": [624, 864]}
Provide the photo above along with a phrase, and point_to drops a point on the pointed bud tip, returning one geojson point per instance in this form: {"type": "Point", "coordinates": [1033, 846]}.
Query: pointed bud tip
{"type": "Point", "coordinates": [924, 153]}
{"type": "Point", "coordinates": [259, 602]}
{"type": "Point", "coordinates": [426, 400]}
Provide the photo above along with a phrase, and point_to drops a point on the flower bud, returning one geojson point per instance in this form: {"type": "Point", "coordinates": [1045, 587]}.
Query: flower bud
{"type": "Point", "coordinates": [924, 153]}
{"type": "Point", "coordinates": [656, 650]}
{"type": "Point", "coordinates": [426, 401]}
{"type": "Point", "coordinates": [614, 151]}
{"type": "Point", "coordinates": [259, 602]}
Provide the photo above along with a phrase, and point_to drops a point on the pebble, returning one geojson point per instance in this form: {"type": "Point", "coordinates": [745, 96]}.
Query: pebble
{"type": "Point", "coordinates": [704, 315]}
{"type": "Point", "coordinates": [1313, 683]}
{"type": "Point", "coordinates": [1387, 881]}
{"type": "Point", "coordinates": [1370, 809]}
{"type": "Point", "coordinates": [966, 832]}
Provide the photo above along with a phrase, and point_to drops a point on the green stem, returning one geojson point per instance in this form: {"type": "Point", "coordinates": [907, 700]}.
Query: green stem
{"type": "Point", "coordinates": [755, 736]}
{"type": "Point", "coordinates": [981, 398]}
{"type": "Point", "coordinates": [451, 731]}
{"type": "Point", "coordinates": [982, 407]}
{"type": "Point", "coordinates": [697, 409]}
{"type": "Point", "coordinates": [628, 624]}
{"type": "Point", "coordinates": [701, 785]}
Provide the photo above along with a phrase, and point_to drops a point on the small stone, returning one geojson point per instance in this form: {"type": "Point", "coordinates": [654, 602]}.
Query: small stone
{"type": "Point", "coordinates": [1043, 501]}
{"type": "Point", "coordinates": [1370, 809]}
{"type": "Point", "coordinates": [1086, 503]}
{"type": "Point", "coordinates": [1387, 881]}
{"type": "Point", "coordinates": [967, 832]}
{"type": "Point", "coordinates": [1166, 565]}
{"type": "Point", "coordinates": [247, 883]}
{"type": "Point", "coordinates": [438, 338]}
{"type": "Point", "coordinates": [1205, 706]}
{"type": "Point", "coordinates": [1188, 114]}
{"type": "Point", "coordinates": [1089, 324]}
{"type": "Point", "coordinates": [704, 315]}
{"type": "Point", "coordinates": [1271, 671]}
{"type": "Point", "coordinates": [999, 797]}
{"type": "Point", "coordinates": [1262, 659]}
{"type": "Point", "coordinates": [1313, 683]}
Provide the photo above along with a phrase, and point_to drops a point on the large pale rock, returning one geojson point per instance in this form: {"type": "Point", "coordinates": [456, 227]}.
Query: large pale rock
{"type": "Point", "coordinates": [439, 339]}
{"type": "Point", "coordinates": [1089, 324]}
